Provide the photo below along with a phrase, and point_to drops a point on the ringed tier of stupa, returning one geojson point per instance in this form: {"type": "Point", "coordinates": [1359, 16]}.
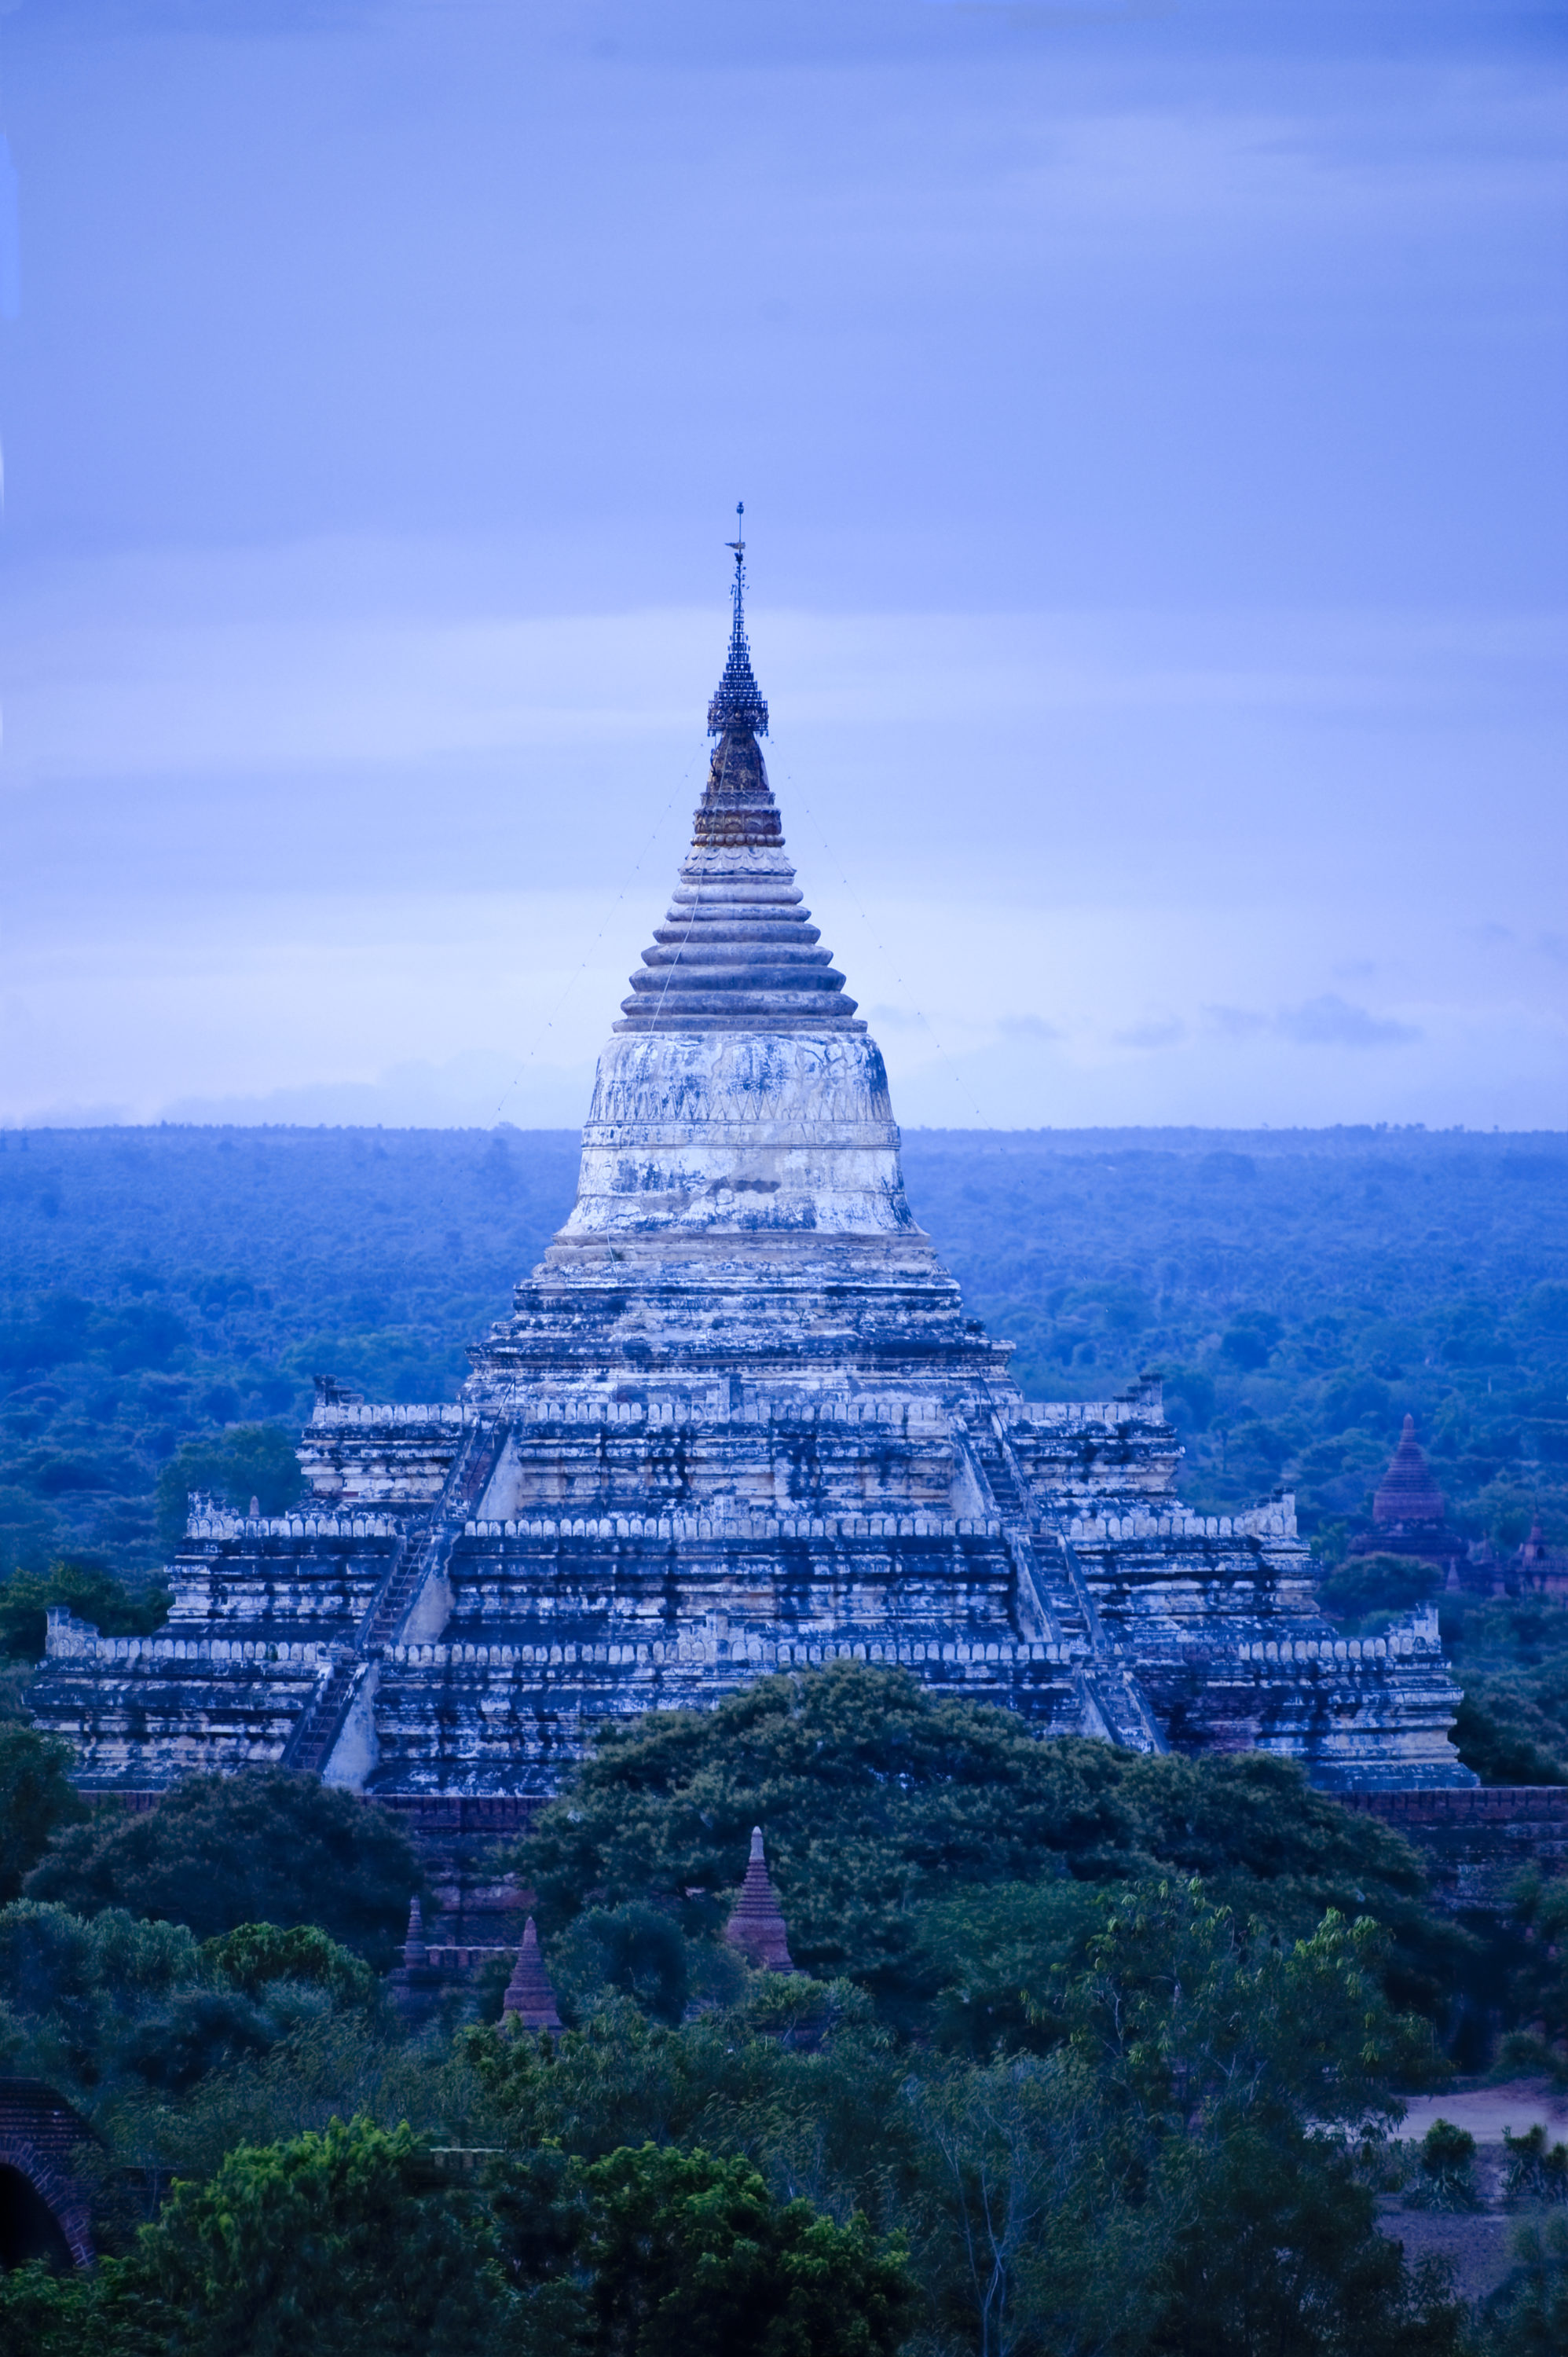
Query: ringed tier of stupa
{"type": "Point", "coordinates": [737, 1421]}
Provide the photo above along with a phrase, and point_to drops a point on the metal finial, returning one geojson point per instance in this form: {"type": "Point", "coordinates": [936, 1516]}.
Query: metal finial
{"type": "Point", "coordinates": [738, 702]}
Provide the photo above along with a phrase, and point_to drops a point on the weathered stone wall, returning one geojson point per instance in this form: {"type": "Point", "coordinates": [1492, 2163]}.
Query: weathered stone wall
{"type": "Point", "coordinates": [1477, 1844]}
{"type": "Point", "coordinates": [557, 1624]}
{"type": "Point", "coordinates": [359, 1456]}
{"type": "Point", "coordinates": [146, 1710]}
{"type": "Point", "coordinates": [739, 1134]}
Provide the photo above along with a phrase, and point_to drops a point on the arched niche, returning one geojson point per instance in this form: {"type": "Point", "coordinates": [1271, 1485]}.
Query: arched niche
{"type": "Point", "coordinates": [29, 2227]}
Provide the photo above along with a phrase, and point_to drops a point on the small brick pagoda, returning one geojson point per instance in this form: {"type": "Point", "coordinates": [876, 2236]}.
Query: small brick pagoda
{"type": "Point", "coordinates": [1408, 1511]}
{"type": "Point", "coordinates": [737, 1420]}
{"type": "Point", "coordinates": [755, 1925]}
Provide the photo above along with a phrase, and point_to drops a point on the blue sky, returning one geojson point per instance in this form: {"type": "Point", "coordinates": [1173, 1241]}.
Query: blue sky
{"type": "Point", "coordinates": [1151, 421]}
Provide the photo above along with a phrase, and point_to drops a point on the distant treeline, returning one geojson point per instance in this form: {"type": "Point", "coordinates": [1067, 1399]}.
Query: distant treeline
{"type": "Point", "coordinates": [1300, 1289]}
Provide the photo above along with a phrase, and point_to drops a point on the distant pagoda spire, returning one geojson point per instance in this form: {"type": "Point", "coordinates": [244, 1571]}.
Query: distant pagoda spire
{"type": "Point", "coordinates": [1407, 1493]}
{"type": "Point", "coordinates": [529, 1999]}
{"type": "Point", "coordinates": [737, 702]}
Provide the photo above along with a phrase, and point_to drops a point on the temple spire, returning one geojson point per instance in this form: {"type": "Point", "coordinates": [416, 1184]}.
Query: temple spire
{"type": "Point", "coordinates": [1408, 1492]}
{"type": "Point", "coordinates": [755, 1926]}
{"type": "Point", "coordinates": [529, 1999]}
{"type": "Point", "coordinates": [737, 702]}
{"type": "Point", "coordinates": [736, 951]}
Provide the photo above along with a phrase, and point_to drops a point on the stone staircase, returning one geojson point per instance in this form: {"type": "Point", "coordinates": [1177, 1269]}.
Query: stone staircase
{"type": "Point", "coordinates": [386, 1616]}
{"type": "Point", "coordinates": [471, 1469]}
{"type": "Point", "coordinates": [1062, 1607]}
{"type": "Point", "coordinates": [1001, 1473]}
{"type": "Point", "coordinates": [1119, 1702]}
{"type": "Point", "coordinates": [310, 1747]}
{"type": "Point", "coordinates": [1110, 1690]}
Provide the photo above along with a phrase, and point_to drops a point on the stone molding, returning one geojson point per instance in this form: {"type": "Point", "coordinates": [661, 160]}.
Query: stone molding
{"type": "Point", "coordinates": [385, 1416]}
{"type": "Point", "coordinates": [694, 1648]}
{"type": "Point", "coordinates": [213, 1523]}
{"type": "Point", "coordinates": [741, 1529]}
{"type": "Point", "coordinates": [1274, 1521]}
{"type": "Point", "coordinates": [69, 1640]}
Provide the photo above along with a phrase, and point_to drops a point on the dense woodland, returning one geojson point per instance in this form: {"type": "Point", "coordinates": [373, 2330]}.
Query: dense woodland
{"type": "Point", "coordinates": [1085, 2055]}
{"type": "Point", "coordinates": [166, 1294]}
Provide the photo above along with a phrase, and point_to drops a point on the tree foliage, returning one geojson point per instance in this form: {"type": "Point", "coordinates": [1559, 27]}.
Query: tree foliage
{"type": "Point", "coordinates": [352, 2238]}
{"type": "Point", "coordinates": [267, 1847]}
{"type": "Point", "coordinates": [248, 1460]}
{"type": "Point", "coordinates": [36, 1800]}
{"type": "Point", "coordinates": [115, 1606]}
{"type": "Point", "coordinates": [115, 2006]}
{"type": "Point", "coordinates": [254, 1956]}
{"type": "Point", "coordinates": [1511, 1653]}
{"type": "Point", "coordinates": [1528, 2315]}
{"type": "Point", "coordinates": [1160, 2155]}
{"type": "Point", "coordinates": [688, 2255]}
{"type": "Point", "coordinates": [883, 1801]}
{"type": "Point", "coordinates": [305, 2249]}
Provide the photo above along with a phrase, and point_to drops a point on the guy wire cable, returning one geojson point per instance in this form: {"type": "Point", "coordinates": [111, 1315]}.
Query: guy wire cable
{"type": "Point", "coordinates": [787, 779]}
{"type": "Point", "coordinates": [676, 791]}
{"type": "Point", "coordinates": [441, 1203]}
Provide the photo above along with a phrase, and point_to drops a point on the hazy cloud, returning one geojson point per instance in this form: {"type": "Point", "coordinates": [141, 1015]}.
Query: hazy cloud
{"type": "Point", "coordinates": [472, 1091]}
{"type": "Point", "coordinates": [1166, 1033]}
{"type": "Point", "coordinates": [365, 722]}
{"type": "Point", "coordinates": [1028, 1026]}
{"type": "Point", "coordinates": [1328, 1022]}
{"type": "Point", "coordinates": [1333, 1022]}
{"type": "Point", "coordinates": [1235, 1022]}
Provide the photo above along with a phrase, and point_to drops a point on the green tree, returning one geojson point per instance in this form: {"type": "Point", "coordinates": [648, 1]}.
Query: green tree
{"type": "Point", "coordinates": [1025, 2243]}
{"type": "Point", "coordinates": [248, 1460]}
{"type": "Point", "coordinates": [1537, 2168]}
{"type": "Point", "coordinates": [254, 1956]}
{"type": "Point", "coordinates": [97, 2007]}
{"type": "Point", "coordinates": [1446, 2169]}
{"type": "Point", "coordinates": [688, 2255]}
{"type": "Point", "coordinates": [220, 1851]}
{"type": "Point", "coordinates": [1223, 2063]}
{"type": "Point", "coordinates": [1365, 1592]}
{"type": "Point", "coordinates": [635, 1949]}
{"type": "Point", "coordinates": [94, 2313]}
{"type": "Point", "coordinates": [1528, 2315]}
{"type": "Point", "coordinates": [85, 1588]}
{"type": "Point", "coordinates": [1511, 1658]}
{"type": "Point", "coordinates": [1166, 2179]}
{"type": "Point", "coordinates": [36, 1801]}
{"type": "Point", "coordinates": [325, 2243]}
{"type": "Point", "coordinates": [880, 1799]}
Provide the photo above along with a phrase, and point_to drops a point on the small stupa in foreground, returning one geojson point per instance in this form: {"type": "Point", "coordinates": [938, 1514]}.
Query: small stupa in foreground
{"type": "Point", "coordinates": [755, 1925]}
{"type": "Point", "coordinates": [529, 1999]}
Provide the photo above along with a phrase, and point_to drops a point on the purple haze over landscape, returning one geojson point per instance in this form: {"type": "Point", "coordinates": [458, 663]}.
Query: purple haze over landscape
{"type": "Point", "coordinates": [1151, 428]}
